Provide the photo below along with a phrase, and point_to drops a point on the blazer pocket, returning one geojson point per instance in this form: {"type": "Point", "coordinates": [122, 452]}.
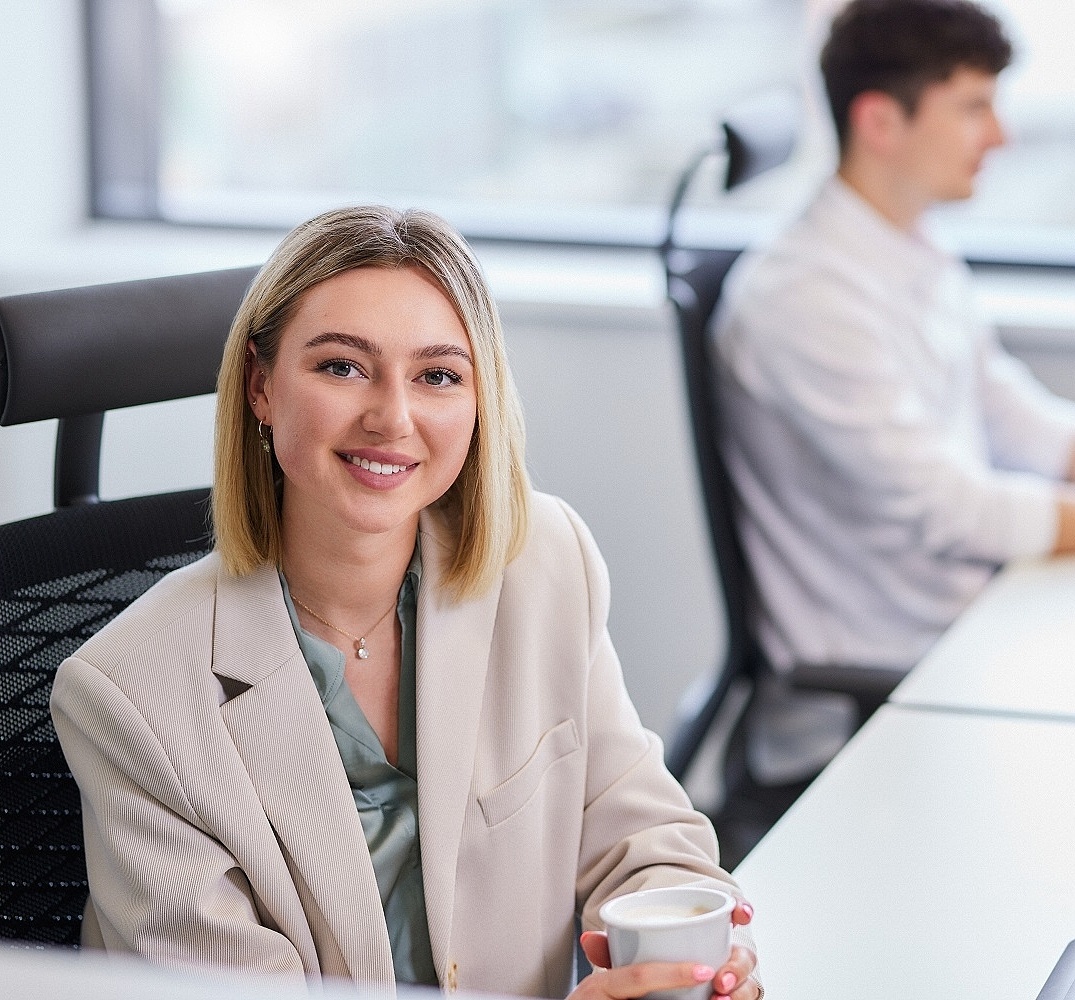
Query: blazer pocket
{"type": "Point", "coordinates": [511, 795]}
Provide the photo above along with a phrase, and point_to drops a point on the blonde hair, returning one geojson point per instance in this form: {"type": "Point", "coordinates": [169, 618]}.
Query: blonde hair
{"type": "Point", "coordinates": [489, 501]}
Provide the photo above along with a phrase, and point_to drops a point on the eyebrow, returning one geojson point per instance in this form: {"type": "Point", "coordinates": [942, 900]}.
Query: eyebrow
{"type": "Point", "coordinates": [366, 346]}
{"type": "Point", "coordinates": [356, 343]}
{"type": "Point", "coordinates": [434, 351]}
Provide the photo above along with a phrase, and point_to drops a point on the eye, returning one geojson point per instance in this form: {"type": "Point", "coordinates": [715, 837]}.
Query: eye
{"type": "Point", "coordinates": [441, 377]}
{"type": "Point", "coordinates": [340, 368]}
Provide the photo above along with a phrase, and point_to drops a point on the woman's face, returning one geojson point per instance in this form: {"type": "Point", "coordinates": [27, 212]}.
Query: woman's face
{"type": "Point", "coordinates": [371, 401]}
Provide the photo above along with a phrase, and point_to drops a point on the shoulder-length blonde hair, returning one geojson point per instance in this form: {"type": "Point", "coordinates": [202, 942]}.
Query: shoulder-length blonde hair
{"type": "Point", "coordinates": [490, 499]}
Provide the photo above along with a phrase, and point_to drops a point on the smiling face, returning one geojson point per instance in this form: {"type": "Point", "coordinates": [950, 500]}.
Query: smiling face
{"type": "Point", "coordinates": [372, 403]}
{"type": "Point", "coordinates": [939, 148]}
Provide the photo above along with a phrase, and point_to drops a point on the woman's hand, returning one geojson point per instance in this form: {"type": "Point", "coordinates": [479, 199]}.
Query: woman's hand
{"type": "Point", "coordinates": [629, 982]}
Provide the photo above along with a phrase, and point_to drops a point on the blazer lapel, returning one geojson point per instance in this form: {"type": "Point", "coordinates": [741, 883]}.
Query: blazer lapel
{"type": "Point", "coordinates": [282, 734]}
{"type": "Point", "coordinates": [453, 645]}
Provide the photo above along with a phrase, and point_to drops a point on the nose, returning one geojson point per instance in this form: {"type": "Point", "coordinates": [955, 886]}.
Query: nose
{"type": "Point", "coordinates": [388, 410]}
{"type": "Point", "coordinates": [995, 134]}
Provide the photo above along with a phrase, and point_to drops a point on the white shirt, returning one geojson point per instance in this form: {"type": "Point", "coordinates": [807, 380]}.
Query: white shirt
{"type": "Point", "coordinates": [887, 453]}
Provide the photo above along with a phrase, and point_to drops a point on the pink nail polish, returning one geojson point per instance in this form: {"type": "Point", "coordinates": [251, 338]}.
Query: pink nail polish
{"type": "Point", "coordinates": [702, 973]}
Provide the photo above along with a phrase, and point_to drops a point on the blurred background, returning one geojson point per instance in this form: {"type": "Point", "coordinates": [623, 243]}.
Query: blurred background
{"type": "Point", "coordinates": [147, 137]}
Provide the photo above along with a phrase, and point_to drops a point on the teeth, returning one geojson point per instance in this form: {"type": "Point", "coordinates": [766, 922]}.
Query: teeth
{"type": "Point", "coordinates": [376, 467]}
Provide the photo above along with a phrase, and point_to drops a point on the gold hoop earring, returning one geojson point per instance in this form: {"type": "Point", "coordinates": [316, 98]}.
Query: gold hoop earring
{"type": "Point", "coordinates": [265, 436]}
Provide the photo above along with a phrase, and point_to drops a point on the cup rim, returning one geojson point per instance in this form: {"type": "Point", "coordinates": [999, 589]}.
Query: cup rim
{"type": "Point", "coordinates": [609, 907]}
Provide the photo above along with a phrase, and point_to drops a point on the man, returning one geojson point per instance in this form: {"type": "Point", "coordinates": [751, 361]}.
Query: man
{"type": "Point", "coordinates": [888, 455]}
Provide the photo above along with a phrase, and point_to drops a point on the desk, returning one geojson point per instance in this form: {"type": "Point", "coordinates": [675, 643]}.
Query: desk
{"type": "Point", "coordinates": [59, 974]}
{"type": "Point", "coordinates": [1012, 651]}
{"type": "Point", "coordinates": [936, 842]}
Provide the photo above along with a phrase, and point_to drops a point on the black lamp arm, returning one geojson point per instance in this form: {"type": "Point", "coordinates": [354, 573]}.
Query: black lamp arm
{"type": "Point", "coordinates": [682, 187]}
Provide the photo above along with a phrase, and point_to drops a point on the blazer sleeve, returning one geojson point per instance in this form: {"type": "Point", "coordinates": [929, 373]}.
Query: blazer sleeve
{"type": "Point", "coordinates": [160, 884]}
{"type": "Point", "coordinates": [639, 828]}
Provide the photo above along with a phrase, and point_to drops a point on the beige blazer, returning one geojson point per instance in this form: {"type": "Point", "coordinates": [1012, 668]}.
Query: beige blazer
{"type": "Point", "coordinates": [220, 826]}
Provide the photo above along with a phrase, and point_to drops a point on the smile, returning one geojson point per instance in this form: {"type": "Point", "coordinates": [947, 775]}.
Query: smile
{"type": "Point", "coordinates": [375, 467]}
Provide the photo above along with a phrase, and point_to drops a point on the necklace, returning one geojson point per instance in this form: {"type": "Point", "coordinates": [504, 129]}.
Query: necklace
{"type": "Point", "coordinates": [359, 640]}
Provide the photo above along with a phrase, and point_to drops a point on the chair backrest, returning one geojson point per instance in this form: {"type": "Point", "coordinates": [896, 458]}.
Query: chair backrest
{"type": "Point", "coordinates": [62, 576]}
{"type": "Point", "coordinates": [74, 354]}
{"type": "Point", "coordinates": [757, 136]}
{"type": "Point", "coordinates": [695, 280]}
{"type": "Point", "coordinates": [77, 352]}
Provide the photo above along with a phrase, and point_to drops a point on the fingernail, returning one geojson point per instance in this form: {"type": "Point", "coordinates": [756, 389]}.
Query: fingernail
{"type": "Point", "coordinates": [749, 909]}
{"type": "Point", "coordinates": [727, 982]}
{"type": "Point", "coordinates": [703, 973]}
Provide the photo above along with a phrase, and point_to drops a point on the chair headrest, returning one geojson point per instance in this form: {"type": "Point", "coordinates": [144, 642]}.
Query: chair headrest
{"type": "Point", "coordinates": [102, 347]}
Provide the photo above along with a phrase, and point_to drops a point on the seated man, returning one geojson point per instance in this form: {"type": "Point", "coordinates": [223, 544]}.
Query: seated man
{"type": "Point", "coordinates": [887, 453]}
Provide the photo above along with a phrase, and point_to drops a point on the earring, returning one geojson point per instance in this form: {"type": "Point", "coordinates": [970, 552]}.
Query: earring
{"type": "Point", "coordinates": [265, 434]}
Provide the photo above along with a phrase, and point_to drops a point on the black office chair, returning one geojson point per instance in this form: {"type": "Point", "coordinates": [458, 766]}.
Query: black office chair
{"type": "Point", "coordinates": [74, 354]}
{"type": "Point", "coordinates": [756, 137]}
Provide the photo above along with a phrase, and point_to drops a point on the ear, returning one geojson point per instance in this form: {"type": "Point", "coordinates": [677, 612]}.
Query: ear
{"type": "Point", "coordinates": [876, 121]}
{"type": "Point", "coordinates": [256, 384]}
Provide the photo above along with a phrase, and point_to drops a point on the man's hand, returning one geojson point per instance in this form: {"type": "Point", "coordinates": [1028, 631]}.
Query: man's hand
{"type": "Point", "coordinates": [1065, 532]}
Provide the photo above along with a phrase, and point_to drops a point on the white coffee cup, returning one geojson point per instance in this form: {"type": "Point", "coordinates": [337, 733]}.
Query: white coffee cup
{"type": "Point", "coordinates": [682, 923]}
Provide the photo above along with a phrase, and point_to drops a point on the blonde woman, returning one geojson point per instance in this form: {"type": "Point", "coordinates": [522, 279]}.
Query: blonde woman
{"type": "Point", "coordinates": [380, 732]}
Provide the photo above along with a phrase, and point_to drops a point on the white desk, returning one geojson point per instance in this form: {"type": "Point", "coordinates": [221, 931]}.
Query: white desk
{"type": "Point", "coordinates": [934, 857]}
{"type": "Point", "coordinates": [1012, 651]}
{"type": "Point", "coordinates": [65, 975]}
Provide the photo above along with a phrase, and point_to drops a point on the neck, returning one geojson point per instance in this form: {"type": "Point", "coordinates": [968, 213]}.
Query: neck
{"type": "Point", "coordinates": [346, 579]}
{"type": "Point", "coordinates": [884, 190]}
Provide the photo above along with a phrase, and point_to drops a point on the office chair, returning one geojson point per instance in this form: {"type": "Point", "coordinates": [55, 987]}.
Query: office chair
{"type": "Point", "coordinates": [756, 137]}
{"type": "Point", "coordinates": [74, 354]}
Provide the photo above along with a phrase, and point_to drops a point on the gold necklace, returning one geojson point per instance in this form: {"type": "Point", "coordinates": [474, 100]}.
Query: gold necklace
{"type": "Point", "coordinates": [359, 640]}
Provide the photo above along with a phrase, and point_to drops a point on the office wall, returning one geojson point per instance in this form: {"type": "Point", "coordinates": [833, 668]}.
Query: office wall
{"type": "Point", "coordinates": [41, 179]}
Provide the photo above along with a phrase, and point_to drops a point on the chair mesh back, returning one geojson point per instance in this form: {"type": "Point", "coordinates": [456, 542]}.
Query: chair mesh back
{"type": "Point", "coordinates": [62, 577]}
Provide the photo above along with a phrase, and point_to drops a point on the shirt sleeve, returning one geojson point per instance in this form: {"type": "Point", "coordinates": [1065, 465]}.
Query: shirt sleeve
{"type": "Point", "coordinates": [813, 352]}
{"type": "Point", "coordinates": [1030, 429]}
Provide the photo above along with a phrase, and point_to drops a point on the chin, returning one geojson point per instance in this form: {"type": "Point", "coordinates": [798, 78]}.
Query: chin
{"type": "Point", "coordinates": [961, 193]}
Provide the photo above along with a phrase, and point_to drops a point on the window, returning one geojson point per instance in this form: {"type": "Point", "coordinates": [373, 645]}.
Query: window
{"type": "Point", "coordinates": [531, 119]}
{"type": "Point", "coordinates": [527, 116]}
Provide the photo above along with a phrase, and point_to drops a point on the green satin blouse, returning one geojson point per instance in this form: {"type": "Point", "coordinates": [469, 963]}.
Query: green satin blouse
{"type": "Point", "coordinates": [386, 797]}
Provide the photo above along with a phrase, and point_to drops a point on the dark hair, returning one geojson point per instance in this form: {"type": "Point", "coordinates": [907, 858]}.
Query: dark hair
{"type": "Point", "coordinates": [902, 46]}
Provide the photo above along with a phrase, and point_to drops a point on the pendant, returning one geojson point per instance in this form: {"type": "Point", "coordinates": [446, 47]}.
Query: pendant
{"type": "Point", "coordinates": [360, 649]}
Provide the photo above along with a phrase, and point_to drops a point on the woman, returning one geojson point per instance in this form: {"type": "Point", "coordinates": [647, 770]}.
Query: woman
{"type": "Point", "coordinates": [380, 732]}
